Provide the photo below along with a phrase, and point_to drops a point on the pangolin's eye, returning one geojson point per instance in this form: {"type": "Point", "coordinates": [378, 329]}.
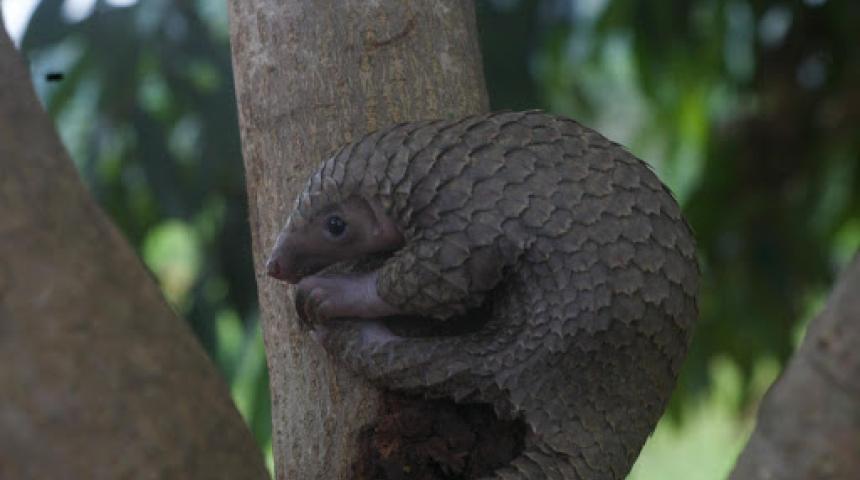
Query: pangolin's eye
{"type": "Point", "coordinates": [335, 225]}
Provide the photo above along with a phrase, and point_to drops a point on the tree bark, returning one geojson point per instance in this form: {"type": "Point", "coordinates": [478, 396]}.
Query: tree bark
{"type": "Point", "coordinates": [310, 76]}
{"type": "Point", "coordinates": [100, 379]}
{"type": "Point", "coordinates": [809, 422]}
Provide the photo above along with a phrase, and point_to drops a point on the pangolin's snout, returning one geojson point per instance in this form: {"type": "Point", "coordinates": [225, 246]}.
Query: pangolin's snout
{"type": "Point", "coordinates": [276, 268]}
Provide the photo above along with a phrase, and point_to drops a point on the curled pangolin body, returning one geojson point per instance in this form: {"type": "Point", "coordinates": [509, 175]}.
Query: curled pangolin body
{"type": "Point", "coordinates": [572, 244]}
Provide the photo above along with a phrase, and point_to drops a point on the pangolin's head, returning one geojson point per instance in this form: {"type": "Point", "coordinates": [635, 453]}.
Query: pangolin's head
{"type": "Point", "coordinates": [315, 238]}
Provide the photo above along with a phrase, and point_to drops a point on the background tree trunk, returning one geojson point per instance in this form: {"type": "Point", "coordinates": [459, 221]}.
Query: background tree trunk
{"type": "Point", "coordinates": [809, 422]}
{"type": "Point", "coordinates": [100, 379]}
{"type": "Point", "coordinates": [310, 76]}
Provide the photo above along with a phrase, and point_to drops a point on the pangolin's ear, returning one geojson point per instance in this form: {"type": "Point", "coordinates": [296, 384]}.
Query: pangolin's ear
{"type": "Point", "coordinates": [377, 215]}
{"type": "Point", "coordinates": [384, 228]}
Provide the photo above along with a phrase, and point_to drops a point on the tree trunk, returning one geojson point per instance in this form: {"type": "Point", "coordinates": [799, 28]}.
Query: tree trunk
{"type": "Point", "coordinates": [809, 422]}
{"type": "Point", "coordinates": [100, 379]}
{"type": "Point", "coordinates": [310, 76]}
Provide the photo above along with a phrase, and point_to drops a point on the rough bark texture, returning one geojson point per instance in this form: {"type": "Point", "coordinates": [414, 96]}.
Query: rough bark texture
{"type": "Point", "coordinates": [100, 379]}
{"type": "Point", "coordinates": [310, 76]}
{"type": "Point", "coordinates": [809, 422]}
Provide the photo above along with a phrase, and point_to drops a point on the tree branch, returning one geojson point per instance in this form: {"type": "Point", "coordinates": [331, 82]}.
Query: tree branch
{"type": "Point", "coordinates": [311, 76]}
{"type": "Point", "coordinates": [809, 421]}
{"type": "Point", "coordinates": [99, 377]}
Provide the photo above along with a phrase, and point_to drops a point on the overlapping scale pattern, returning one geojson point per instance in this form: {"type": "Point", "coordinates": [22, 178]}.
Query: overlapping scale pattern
{"type": "Point", "coordinates": [576, 248]}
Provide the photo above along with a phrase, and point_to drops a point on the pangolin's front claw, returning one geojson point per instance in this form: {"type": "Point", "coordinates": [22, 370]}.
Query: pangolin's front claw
{"type": "Point", "coordinates": [304, 307]}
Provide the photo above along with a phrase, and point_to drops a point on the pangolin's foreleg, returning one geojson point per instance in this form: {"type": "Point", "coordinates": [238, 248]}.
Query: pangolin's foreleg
{"type": "Point", "coordinates": [369, 349]}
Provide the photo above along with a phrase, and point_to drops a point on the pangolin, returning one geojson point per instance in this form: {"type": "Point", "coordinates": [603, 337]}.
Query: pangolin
{"type": "Point", "coordinates": [575, 250]}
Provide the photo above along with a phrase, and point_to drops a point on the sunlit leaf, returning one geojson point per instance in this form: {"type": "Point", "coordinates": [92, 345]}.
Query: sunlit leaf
{"type": "Point", "coordinates": [172, 252]}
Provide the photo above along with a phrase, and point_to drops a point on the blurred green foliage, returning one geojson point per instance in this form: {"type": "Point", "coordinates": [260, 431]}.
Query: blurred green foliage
{"type": "Point", "coordinates": [749, 110]}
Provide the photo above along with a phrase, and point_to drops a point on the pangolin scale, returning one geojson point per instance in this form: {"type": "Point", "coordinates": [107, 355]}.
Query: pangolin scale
{"type": "Point", "coordinates": [573, 246]}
